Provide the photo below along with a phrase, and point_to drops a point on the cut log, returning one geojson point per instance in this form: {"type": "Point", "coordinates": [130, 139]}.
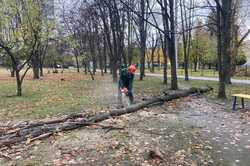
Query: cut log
{"type": "Point", "coordinates": [42, 129]}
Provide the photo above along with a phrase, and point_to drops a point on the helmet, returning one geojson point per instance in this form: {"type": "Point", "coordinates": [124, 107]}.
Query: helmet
{"type": "Point", "coordinates": [132, 69]}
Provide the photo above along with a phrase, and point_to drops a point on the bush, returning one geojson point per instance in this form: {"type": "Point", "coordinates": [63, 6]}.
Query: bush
{"type": "Point", "coordinates": [241, 59]}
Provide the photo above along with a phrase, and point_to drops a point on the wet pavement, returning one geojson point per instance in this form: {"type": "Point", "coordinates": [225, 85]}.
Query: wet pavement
{"type": "Point", "coordinates": [228, 132]}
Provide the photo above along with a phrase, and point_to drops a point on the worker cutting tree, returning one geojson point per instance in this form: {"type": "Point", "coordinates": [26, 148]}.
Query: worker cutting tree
{"type": "Point", "coordinates": [126, 81]}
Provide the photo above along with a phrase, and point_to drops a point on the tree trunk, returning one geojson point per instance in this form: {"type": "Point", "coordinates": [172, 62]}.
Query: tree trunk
{"type": "Point", "coordinates": [41, 69]}
{"type": "Point", "coordinates": [114, 72]}
{"type": "Point", "coordinates": [165, 58]}
{"type": "Point", "coordinates": [221, 91]}
{"type": "Point", "coordinates": [18, 83]}
{"type": "Point", "coordinates": [105, 54]}
{"type": "Point", "coordinates": [143, 38]}
{"type": "Point", "coordinates": [85, 68]}
{"type": "Point", "coordinates": [172, 48]}
{"type": "Point", "coordinates": [35, 66]}
{"type": "Point", "coordinates": [12, 73]}
{"type": "Point", "coordinates": [94, 65]}
{"type": "Point", "coordinates": [235, 46]}
{"type": "Point", "coordinates": [130, 50]}
{"type": "Point", "coordinates": [77, 64]}
{"type": "Point", "coordinates": [36, 73]}
{"type": "Point", "coordinates": [152, 63]}
{"type": "Point", "coordinates": [101, 61]}
{"type": "Point", "coordinates": [184, 38]}
{"type": "Point", "coordinates": [195, 66]}
{"type": "Point", "coordinates": [91, 73]}
{"type": "Point", "coordinates": [149, 66]}
{"type": "Point", "coordinates": [165, 67]}
{"type": "Point", "coordinates": [227, 38]}
{"type": "Point", "coordinates": [101, 65]}
{"type": "Point", "coordinates": [158, 60]}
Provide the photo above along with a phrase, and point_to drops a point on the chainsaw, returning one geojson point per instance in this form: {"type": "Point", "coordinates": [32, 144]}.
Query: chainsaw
{"type": "Point", "coordinates": [125, 99]}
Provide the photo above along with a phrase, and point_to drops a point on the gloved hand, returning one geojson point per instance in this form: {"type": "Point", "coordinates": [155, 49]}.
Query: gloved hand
{"type": "Point", "coordinates": [124, 90]}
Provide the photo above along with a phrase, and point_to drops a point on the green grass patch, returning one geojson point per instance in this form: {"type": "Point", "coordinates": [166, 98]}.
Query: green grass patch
{"type": "Point", "coordinates": [53, 97]}
{"type": "Point", "coordinates": [45, 98]}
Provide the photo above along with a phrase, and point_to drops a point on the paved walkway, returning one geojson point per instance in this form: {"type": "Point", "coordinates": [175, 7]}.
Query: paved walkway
{"type": "Point", "coordinates": [234, 81]}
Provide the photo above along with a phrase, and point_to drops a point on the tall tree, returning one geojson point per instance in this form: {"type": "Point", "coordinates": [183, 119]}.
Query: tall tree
{"type": "Point", "coordinates": [143, 36]}
{"type": "Point", "coordinates": [186, 28]}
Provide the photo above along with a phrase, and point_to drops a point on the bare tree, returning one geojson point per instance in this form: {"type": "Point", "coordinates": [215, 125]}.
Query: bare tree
{"type": "Point", "coordinates": [186, 26]}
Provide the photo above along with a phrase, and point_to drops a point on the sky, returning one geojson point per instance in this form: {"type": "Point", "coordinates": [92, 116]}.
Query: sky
{"type": "Point", "coordinates": [245, 9]}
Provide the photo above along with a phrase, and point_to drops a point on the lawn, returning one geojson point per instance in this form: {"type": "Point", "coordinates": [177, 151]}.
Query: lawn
{"type": "Point", "coordinates": [54, 94]}
{"type": "Point", "coordinates": [68, 92]}
{"type": "Point", "coordinates": [62, 93]}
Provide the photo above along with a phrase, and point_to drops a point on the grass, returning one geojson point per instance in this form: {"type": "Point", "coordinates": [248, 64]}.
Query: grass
{"type": "Point", "coordinates": [230, 89]}
{"type": "Point", "coordinates": [154, 85]}
{"type": "Point", "coordinates": [48, 97]}
{"type": "Point", "coordinates": [54, 97]}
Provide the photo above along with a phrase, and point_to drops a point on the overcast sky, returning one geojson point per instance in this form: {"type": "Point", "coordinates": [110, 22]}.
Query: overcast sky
{"type": "Point", "coordinates": [245, 11]}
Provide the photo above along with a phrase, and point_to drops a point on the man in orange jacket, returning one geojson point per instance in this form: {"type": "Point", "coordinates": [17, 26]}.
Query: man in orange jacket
{"type": "Point", "coordinates": [126, 81]}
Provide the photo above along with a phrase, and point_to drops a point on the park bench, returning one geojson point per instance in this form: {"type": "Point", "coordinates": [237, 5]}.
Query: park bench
{"type": "Point", "coordinates": [242, 96]}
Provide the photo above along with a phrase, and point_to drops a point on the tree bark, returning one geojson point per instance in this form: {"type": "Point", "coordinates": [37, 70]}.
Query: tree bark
{"type": "Point", "coordinates": [19, 83]}
{"type": "Point", "coordinates": [222, 90]}
{"type": "Point", "coordinates": [172, 48]}
{"type": "Point", "coordinates": [41, 70]}
{"type": "Point", "coordinates": [105, 54]}
{"type": "Point", "coordinates": [184, 39]}
{"type": "Point", "coordinates": [130, 51]}
{"type": "Point", "coordinates": [143, 38]}
{"type": "Point", "coordinates": [35, 66]}
{"type": "Point", "coordinates": [12, 73]}
{"type": "Point", "coordinates": [77, 61]}
{"type": "Point", "coordinates": [227, 7]}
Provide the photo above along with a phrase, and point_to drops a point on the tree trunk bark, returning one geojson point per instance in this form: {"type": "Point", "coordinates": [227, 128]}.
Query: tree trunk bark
{"type": "Point", "coordinates": [114, 72]}
{"type": "Point", "coordinates": [184, 38]}
{"type": "Point", "coordinates": [165, 59]}
{"type": "Point", "coordinates": [85, 68]}
{"type": "Point", "coordinates": [105, 54]}
{"type": "Point", "coordinates": [12, 73]}
{"type": "Point", "coordinates": [101, 63]}
{"type": "Point", "coordinates": [130, 51]}
{"type": "Point", "coordinates": [152, 63]}
{"type": "Point", "coordinates": [41, 69]}
{"type": "Point", "coordinates": [143, 38]}
{"type": "Point", "coordinates": [172, 48]}
{"type": "Point", "coordinates": [19, 83]}
{"type": "Point", "coordinates": [35, 66]}
{"type": "Point", "coordinates": [77, 64]}
{"type": "Point", "coordinates": [221, 91]}
{"type": "Point", "coordinates": [165, 67]}
{"type": "Point", "coordinates": [226, 29]}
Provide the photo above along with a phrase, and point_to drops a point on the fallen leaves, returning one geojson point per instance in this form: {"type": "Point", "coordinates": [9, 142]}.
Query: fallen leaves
{"type": "Point", "coordinates": [181, 141]}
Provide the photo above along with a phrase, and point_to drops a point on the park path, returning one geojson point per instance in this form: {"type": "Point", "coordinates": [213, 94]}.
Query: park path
{"type": "Point", "coordinates": [234, 81]}
{"type": "Point", "coordinates": [228, 133]}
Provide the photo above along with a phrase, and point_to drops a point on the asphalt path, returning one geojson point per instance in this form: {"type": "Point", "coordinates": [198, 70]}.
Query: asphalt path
{"type": "Point", "coordinates": [234, 81]}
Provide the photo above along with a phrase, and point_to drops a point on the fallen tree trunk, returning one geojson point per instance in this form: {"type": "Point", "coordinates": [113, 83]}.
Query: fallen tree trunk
{"type": "Point", "coordinates": [31, 131]}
